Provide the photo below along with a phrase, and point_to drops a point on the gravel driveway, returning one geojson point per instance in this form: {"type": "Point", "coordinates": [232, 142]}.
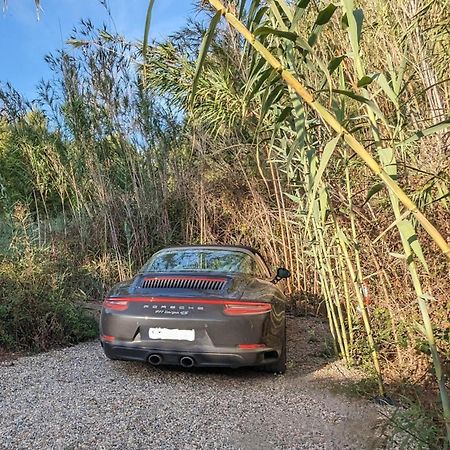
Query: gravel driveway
{"type": "Point", "coordinates": [75, 398]}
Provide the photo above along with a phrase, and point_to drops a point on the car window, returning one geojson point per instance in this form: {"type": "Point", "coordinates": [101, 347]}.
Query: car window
{"type": "Point", "coordinates": [203, 260]}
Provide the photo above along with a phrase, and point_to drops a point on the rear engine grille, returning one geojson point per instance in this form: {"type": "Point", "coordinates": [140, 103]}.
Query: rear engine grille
{"type": "Point", "coordinates": [209, 284]}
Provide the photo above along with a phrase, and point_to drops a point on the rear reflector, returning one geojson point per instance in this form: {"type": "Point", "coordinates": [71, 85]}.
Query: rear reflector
{"type": "Point", "coordinates": [116, 305]}
{"type": "Point", "coordinates": [106, 338]}
{"type": "Point", "coordinates": [251, 346]}
{"type": "Point", "coordinates": [245, 308]}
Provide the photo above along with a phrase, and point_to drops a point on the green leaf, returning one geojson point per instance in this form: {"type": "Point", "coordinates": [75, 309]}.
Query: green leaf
{"type": "Point", "coordinates": [272, 98]}
{"type": "Point", "coordinates": [148, 19]}
{"type": "Point", "coordinates": [203, 52]}
{"type": "Point", "coordinates": [322, 19]}
{"type": "Point", "coordinates": [256, 66]}
{"type": "Point", "coordinates": [303, 45]}
{"type": "Point", "coordinates": [264, 31]}
{"type": "Point", "coordinates": [374, 190]}
{"type": "Point", "coordinates": [342, 237]}
{"type": "Point", "coordinates": [358, 18]}
{"type": "Point", "coordinates": [285, 113]}
{"type": "Point", "coordinates": [326, 156]}
{"type": "Point", "coordinates": [384, 84]}
{"type": "Point", "coordinates": [325, 15]}
{"type": "Point", "coordinates": [276, 13]}
{"type": "Point", "coordinates": [335, 62]}
{"type": "Point", "coordinates": [364, 81]}
{"type": "Point", "coordinates": [299, 114]}
{"type": "Point", "coordinates": [299, 11]}
{"type": "Point", "coordinates": [427, 132]}
{"type": "Point", "coordinates": [359, 98]}
{"type": "Point", "coordinates": [259, 15]}
{"type": "Point", "coordinates": [268, 74]}
{"type": "Point", "coordinates": [294, 198]}
{"type": "Point", "coordinates": [323, 202]}
{"type": "Point", "coordinates": [421, 329]}
{"type": "Point", "coordinates": [242, 10]}
{"type": "Point", "coordinates": [407, 229]}
{"type": "Point", "coordinates": [353, 20]}
{"type": "Point", "coordinates": [397, 81]}
{"type": "Point", "coordinates": [282, 5]}
{"type": "Point", "coordinates": [253, 11]}
{"type": "Point", "coordinates": [106, 36]}
{"type": "Point", "coordinates": [443, 193]}
{"type": "Point", "coordinates": [388, 161]}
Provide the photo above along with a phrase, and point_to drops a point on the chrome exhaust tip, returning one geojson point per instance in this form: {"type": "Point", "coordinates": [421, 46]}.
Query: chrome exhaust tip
{"type": "Point", "coordinates": [187, 361]}
{"type": "Point", "coordinates": [154, 359]}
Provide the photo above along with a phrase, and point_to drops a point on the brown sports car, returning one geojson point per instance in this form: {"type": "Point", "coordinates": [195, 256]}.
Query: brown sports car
{"type": "Point", "coordinates": [199, 306]}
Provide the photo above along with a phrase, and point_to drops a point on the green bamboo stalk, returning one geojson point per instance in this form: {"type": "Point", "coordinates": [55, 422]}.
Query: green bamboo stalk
{"type": "Point", "coordinates": [323, 283]}
{"type": "Point", "coordinates": [362, 307]}
{"type": "Point", "coordinates": [382, 275]}
{"type": "Point", "coordinates": [332, 281]}
{"type": "Point", "coordinates": [348, 304]}
{"type": "Point", "coordinates": [387, 159]}
{"type": "Point", "coordinates": [330, 308]}
{"type": "Point", "coordinates": [428, 327]}
{"type": "Point", "coordinates": [310, 168]}
{"type": "Point", "coordinates": [331, 120]}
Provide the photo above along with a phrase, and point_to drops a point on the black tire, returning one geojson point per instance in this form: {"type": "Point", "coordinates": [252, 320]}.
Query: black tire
{"type": "Point", "coordinates": [280, 365]}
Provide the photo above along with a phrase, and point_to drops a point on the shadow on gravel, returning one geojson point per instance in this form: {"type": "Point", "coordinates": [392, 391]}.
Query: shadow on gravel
{"type": "Point", "coordinates": [309, 349]}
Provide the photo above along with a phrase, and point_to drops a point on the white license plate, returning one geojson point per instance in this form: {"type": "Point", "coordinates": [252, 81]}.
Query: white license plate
{"type": "Point", "coordinates": [171, 333]}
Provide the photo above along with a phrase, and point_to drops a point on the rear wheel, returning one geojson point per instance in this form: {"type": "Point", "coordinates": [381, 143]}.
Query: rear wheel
{"type": "Point", "coordinates": [280, 365]}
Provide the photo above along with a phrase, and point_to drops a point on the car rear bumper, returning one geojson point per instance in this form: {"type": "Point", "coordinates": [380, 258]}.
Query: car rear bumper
{"type": "Point", "coordinates": [229, 358]}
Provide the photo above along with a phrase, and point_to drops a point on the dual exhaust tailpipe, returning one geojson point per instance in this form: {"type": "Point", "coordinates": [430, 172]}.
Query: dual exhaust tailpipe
{"type": "Point", "coordinates": [186, 361]}
{"type": "Point", "coordinates": [155, 360]}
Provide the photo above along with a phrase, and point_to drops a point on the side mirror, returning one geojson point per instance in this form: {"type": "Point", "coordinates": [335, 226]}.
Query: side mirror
{"type": "Point", "coordinates": [281, 273]}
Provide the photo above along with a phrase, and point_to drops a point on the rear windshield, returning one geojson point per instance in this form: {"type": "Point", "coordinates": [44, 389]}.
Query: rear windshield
{"type": "Point", "coordinates": [200, 260]}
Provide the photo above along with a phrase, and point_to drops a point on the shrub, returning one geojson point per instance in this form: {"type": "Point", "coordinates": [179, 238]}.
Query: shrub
{"type": "Point", "coordinates": [40, 304]}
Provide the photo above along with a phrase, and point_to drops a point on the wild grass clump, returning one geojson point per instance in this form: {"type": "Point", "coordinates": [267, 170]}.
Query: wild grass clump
{"type": "Point", "coordinates": [414, 427]}
{"type": "Point", "coordinates": [40, 304]}
{"type": "Point", "coordinates": [44, 289]}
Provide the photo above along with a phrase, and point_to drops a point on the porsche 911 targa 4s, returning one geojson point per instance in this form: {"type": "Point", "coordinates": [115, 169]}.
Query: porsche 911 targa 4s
{"type": "Point", "coordinates": [199, 306]}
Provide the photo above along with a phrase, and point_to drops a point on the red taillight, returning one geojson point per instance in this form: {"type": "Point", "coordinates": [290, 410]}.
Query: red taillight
{"type": "Point", "coordinates": [251, 346]}
{"type": "Point", "coordinates": [107, 338]}
{"type": "Point", "coordinates": [245, 308]}
{"type": "Point", "coordinates": [116, 305]}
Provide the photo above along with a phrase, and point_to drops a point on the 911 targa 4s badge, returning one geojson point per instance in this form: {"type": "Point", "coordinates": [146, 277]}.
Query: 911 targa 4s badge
{"type": "Point", "coordinates": [199, 306]}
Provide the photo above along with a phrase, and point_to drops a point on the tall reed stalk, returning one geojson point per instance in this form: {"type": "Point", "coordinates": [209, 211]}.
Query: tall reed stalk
{"type": "Point", "coordinates": [331, 120]}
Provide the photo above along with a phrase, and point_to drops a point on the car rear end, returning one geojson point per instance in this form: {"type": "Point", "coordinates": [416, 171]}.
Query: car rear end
{"type": "Point", "coordinates": [197, 325]}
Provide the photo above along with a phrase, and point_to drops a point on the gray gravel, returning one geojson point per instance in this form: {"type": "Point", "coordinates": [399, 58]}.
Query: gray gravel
{"type": "Point", "coordinates": [76, 398]}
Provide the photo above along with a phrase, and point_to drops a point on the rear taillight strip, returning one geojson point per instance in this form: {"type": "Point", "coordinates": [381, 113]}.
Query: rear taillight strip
{"type": "Point", "coordinates": [251, 346]}
{"type": "Point", "coordinates": [244, 308]}
{"type": "Point", "coordinates": [116, 304]}
{"type": "Point", "coordinates": [231, 308]}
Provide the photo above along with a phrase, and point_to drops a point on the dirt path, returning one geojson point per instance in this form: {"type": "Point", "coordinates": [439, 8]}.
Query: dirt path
{"type": "Point", "coordinates": [77, 399]}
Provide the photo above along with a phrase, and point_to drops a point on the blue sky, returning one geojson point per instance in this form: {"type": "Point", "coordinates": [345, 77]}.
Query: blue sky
{"type": "Point", "coordinates": [24, 41]}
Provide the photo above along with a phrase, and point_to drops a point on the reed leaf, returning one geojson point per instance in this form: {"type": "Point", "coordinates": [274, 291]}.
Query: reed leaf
{"type": "Point", "coordinates": [148, 19]}
{"type": "Point", "coordinates": [203, 51]}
